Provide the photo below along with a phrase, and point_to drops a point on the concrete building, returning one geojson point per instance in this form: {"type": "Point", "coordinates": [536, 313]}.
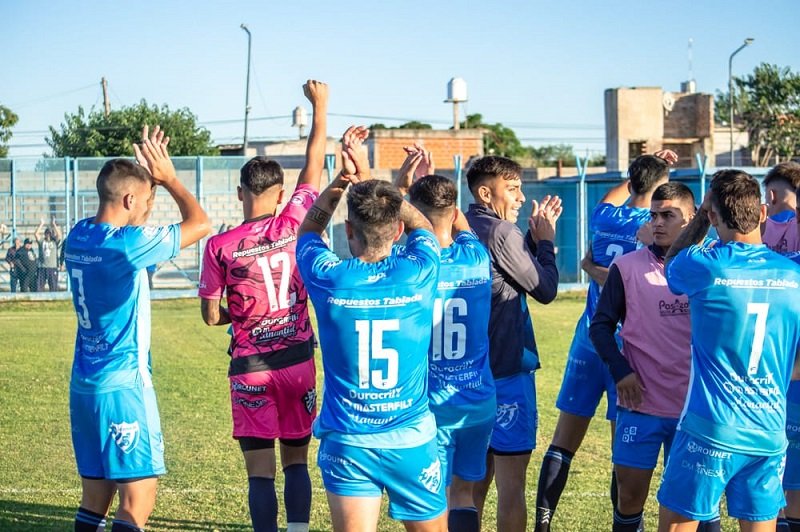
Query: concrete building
{"type": "Point", "coordinates": [646, 119]}
{"type": "Point", "coordinates": [386, 146]}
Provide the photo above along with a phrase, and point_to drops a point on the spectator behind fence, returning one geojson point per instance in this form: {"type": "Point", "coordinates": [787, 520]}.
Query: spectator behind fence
{"type": "Point", "coordinates": [25, 264]}
{"type": "Point", "coordinates": [48, 255]}
{"type": "Point", "coordinates": [13, 271]}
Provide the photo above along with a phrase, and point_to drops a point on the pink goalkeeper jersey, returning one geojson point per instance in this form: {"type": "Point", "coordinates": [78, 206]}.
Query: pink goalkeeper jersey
{"type": "Point", "coordinates": [781, 237]}
{"type": "Point", "coordinates": [656, 335]}
{"type": "Point", "coordinates": [254, 265]}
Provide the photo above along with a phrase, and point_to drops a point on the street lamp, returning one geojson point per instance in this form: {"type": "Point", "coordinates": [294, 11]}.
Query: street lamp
{"type": "Point", "coordinates": [247, 89]}
{"type": "Point", "coordinates": [747, 42]}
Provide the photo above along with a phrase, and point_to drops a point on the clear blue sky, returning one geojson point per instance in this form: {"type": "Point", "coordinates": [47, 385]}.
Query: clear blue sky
{"type": "Point", "coordinates": [538, 66]}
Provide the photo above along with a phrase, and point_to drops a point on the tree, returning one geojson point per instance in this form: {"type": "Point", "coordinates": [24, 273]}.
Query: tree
{"type": "Point", "coordinates": [767, 106]}
{"type": "Point", "coordinates": [95, 135]}
{"type": "Point", "coordinates": [497, 138]}
{"type": "Point", "coordinates": [8, 119]}
{"type": "Point", "coordinates": [414, 124]}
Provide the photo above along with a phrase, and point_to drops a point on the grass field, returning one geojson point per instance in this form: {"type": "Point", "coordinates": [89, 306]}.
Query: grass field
{"type": "Point", "coordinates": [205, 488]}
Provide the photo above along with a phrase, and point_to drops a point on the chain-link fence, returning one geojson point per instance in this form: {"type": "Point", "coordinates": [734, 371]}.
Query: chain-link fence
{"type": "Point", "coordinates": [62, 191]}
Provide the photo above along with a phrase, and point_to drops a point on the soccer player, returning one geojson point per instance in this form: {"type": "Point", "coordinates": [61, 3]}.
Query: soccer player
{"type": "Point", "coordinates": [460, 384]}
{"type": "Point", "coordinates": [614, 226]}
{"type": "Point", "coordinates": [652, 370]}
{"type": "Point", "coordinates": [521, 265]}
{"type": "Point", "coordinates": [272, 373]}
{"type": "Point", "coordinates": [745, 340]}
{"type": "Point", "coordinates": [779, 232]}
{"type": "Point", "coordinates": [374, 313]}
{"type": "Point", "coordinates": [116, 429]}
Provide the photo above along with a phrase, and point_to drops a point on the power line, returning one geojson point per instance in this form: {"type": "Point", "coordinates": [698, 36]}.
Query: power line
{"type": "Point", "coordinates": [50, 97]}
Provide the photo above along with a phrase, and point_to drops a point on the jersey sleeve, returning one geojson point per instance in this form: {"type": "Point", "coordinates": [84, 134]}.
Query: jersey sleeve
{"type": "Point", "coordinates": [301, 201]}
{"type": "Point", "coordinates": [148, 245]}
{"type": "Point", "coordinates": [212, 278]}
{"type": "Point", "coordinates": [688, 271]}
{"type": "Point", "coordinates": [537, 273]}
{"type": "Point", "coordinates": [472, 245]}
{"type": "Point", "coordinates": [422, 243]}
{"type": "Point", "coordinates": [599, 216]}
{"type": "Point", "coordinates": [314, 259]}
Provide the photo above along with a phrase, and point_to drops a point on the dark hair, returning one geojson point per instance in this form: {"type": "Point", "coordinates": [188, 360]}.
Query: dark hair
{"type": "Point", "coordinates": [788, 172]}
{"type": "Point", "coordinates": [260, 173]}
{"type": "Point", "coordinates": [490, 167]}
{"type": "Point", "coordinates": [737, 196]}
{"type": "Point", "coordinates": [646, 171]}
{"type": "Point", "coordinates": [115, 175]}
{"type": "Point", "coordinates": [373, 209]}
{"type": "Point", "coordinates": [433, 194]}
{"type": "Point", "coordinates": [674, 191]}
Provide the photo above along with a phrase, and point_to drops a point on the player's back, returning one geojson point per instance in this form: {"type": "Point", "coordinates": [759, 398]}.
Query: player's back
{"type": "Point", "coordinates": [613, 232]}
{"type": "Point", "coordinates": [110, 292]}
{"type": "Point", "coordinates": [461, 386]}
{"type": "Point", "coordinates": [254, 264]}
{"type": "Point", "coordinates": [374, 323]}
{"type": "Point", "coordinates": [744, 342]}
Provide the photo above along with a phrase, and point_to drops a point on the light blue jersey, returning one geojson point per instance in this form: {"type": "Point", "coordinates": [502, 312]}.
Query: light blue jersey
{"type": "Point", "coordinates": [743, 301]}
{"type": "Point", "coordinates": [374, 322]}
{"type": "Point", "coordinates": [106, 266]}
{"type": "Point", "coordinates": [461, 386]}
{"type": "Point", "coordinates": [613, 232]}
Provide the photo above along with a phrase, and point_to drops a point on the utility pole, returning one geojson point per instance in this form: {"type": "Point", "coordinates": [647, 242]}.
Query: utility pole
{"type": "Point", "coordinates": [247, 90]}
{"type": "Point", "coordinates": [106, 101]}
{"type": "Point", "coordinates": [731, 100]}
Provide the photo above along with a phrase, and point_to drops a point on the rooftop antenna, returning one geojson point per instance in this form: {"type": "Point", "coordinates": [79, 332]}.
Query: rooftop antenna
{"type": "Point", "coordinates": [691, 70]}
{"type": "Point", "coordinates": [689, 85]}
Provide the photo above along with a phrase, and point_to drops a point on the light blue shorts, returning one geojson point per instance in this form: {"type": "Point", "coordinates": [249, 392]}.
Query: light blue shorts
{"type": "Point", "coordinates": [517, 418]}
{"type": "Point", "coordinates": [586, 378]}
{"type": "Point", "coordinates": [462, 451]}
{"type": "Point", "coordinates": [411, 477]}
{"type": "Point", "coordinates": [639, 437]}
{"type": "Point", "coordinates": [697, 473]}
{"type": "Point", "coordinates": [791, 477]}
{"type": "Point", "coordinates": [117, 434]}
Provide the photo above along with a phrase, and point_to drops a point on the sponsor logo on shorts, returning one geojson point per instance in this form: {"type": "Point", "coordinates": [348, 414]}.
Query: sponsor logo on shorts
{"type": "Point", "coordinates": [431, 476]}
{"type": "Point", "coordinates": [507, 414]}
{"type": "Point", "coordinates": [310, 400]}
{"type": "Point", "coordinates": [258, 403]}
{"type": "Point", "coordinates": [247, 388]}
{"type": "Point", "coordinates": [678, 307]}
{"type": "Point", "coordinates": [325, 457]}
{"type": "Point", "coordinates": [629, 434]}
{"type": "Point", "coordinates": [702, 469]}
{"type": "Point", "coordinates": [125, 435]}
{"type": "Point", "coordinates": [694, 447]}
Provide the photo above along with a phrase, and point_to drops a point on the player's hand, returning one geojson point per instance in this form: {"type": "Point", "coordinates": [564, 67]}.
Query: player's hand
{"type": "Point", "coordinates": [354, 158]}
{"type": "Point", "coordinates": [668, 155]}
{"type": "Point", "coordinates": [629, 391]}
{"type": "Point", "coordinates": [153, 155]}
{"type": "Point", "coordinates": [426, 165]}
{"type": "Point", "coordinates": [316, 92]}
{"type": "Point", "coordinates": [645, 234]}
{"type": "Point", "coordinates": [544, 216]}
{"type": "Point", "coordinates": [405, 176]}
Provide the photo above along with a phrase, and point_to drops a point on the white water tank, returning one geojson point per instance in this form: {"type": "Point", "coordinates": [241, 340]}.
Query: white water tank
{"type": "Point", "coordinates": [456, 90]}
{"type": "Point", "coordinates": [689, 86]}
{"type": "Point", "coordinates": [299, 117]}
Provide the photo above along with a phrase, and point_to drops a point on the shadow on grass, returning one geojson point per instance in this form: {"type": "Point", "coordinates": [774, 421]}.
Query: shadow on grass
{"type": "Point", "coordinates": [16, 516]}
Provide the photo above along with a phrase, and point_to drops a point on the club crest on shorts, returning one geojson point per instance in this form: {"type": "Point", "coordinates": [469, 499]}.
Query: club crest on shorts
{"type": "Point", "coordinates": [431, 476]}
{"type": "Point", "coordinates": [310, 400]}
{"type": "Point", "coordinates": [507, 414]}
{"type": "Point", "coordinates": [126, 435]}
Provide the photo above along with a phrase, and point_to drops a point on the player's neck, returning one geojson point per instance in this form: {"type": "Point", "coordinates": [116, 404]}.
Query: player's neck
{"type": "Point", "coordinates": [108, 214]}
{"type": "Point", "coordinates": [444, 234]}
{"type": "Point", "coordinates": [258, 209]}
{"type": "Point", "coordinates": [728, 235]}
{"type": "Point", "coordinates": [640, 201]}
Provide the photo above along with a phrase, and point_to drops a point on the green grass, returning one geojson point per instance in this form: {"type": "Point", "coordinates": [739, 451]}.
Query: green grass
{"type": "Point", "coordinates": [205, 488]}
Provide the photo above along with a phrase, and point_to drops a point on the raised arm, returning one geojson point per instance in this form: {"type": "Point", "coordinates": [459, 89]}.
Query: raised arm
{"type": "Point", "coordinates": [317, 94]}
{"type": "Point", "coordinates": [355, 168]}
{"type": "Point", "coordinates": [37, 234]}
{"type": "Point", "coordinates": [152, 152]}
{"type": "Point", "coordinates": [413, 219]}
{"type": "Point", "coordinates": [618, 194]}
{"type": "Point", "coordinates": [56, 230]}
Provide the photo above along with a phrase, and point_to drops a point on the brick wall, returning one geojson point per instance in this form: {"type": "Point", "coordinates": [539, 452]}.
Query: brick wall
{"type": "Point", "coordinates": [386, 146]}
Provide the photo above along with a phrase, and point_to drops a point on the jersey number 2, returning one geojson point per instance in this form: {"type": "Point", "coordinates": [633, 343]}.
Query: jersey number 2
{"type": "Point", "coordinates": [370, 347]}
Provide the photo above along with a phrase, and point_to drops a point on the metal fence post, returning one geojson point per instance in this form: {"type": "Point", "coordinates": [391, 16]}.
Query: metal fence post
{"type": "Point", "coordinates": [75, 186]}
{"type": "Point", "coordinates": [198, 165]}
{"type": "Point", "coordinates": [582, 167]}
{"type": "Point", "coordinates": [701, 165]}
{"type": "Point", "coordinates": [67, 224]}
{"type": "Point", "coordinates": [13, 197]}
{"type": "Point", "coordinates": [330, 166]}
{"type": "Point", "coordinates": [458, 172]}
